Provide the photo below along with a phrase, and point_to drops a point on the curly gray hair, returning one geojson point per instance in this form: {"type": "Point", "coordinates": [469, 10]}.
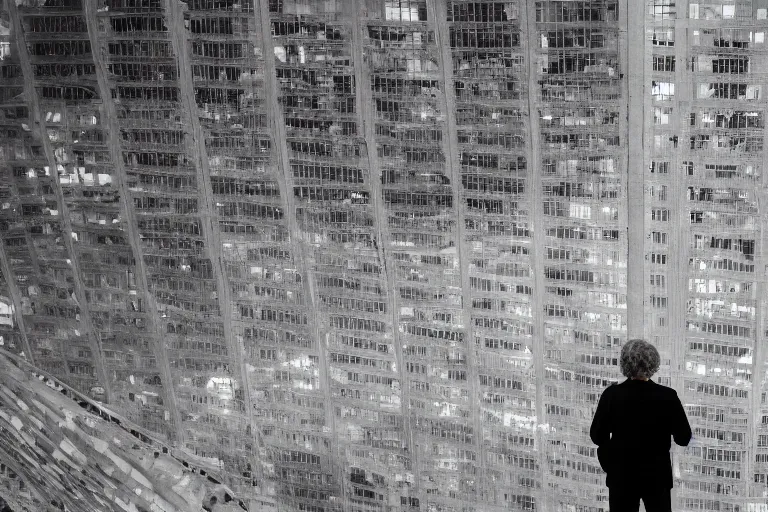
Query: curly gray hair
{"type": "Point", "coordinates": [639, 359]}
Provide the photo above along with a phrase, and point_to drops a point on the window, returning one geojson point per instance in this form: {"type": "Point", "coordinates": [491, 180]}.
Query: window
{"type": "Point", "coordinates": [661, 115]}
{"type": "Point", "coordinates": [738, 65]}
{"type": "Point", "coordinates": [566, 38]}
{"type": "Point", "coordinates": [660, 214]}
{"type": "Point", "coordinates": [662, 91]}
{"type": "Point", "coordinates": [405, 10]}
{"type": "Point", "coordinates": [663, 63]}
{"type": "Point", "coordinates": [662, 9]}
{"type": "Point", "coordinates": [739, 120]}
{"type": "Point", "coordinates": [731, 91]}
{"type": "Point", "coordinates": [559, 11]}
{"type": "Point", "coordinates": [663, 36]}
{"type": "Point", "coordinates": [658, 281]}
{"type": "Point", "coordinates": [212, 26]}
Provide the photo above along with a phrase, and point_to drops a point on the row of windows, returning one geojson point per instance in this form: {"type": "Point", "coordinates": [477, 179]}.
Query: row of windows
{"type": "Point", "coordinates": [327, 172]}
{"type": "Point", "coordinates": [138, 24]}
{"type": "Point", "coordinates": [165, 137]}
{"type": "Point", "coordinates": [134, 5]}
{"type": "Point", "coordinates": [218, 96]}
{"type": "Point", "coordinates": [10, 71]}
{"type": "Point", "coordinates": [660, 214]}
{"type": "Point", "coordinates": [490, 184]}
{"type": "Point", "coordinates": [498, 227]}
{"type": "Point", "coordinates": [224, 26]}
{"type": "Point", "coordinates": [175, 182]}
{"type": "Point", "coordinates": [63, 70]}
{"type": "Point", "coordinates": [60, 48]}
{"type": "Point", "coordinates": [69, 5]}
{"type": "Point", "coordinates": [578, 233]}
{"type": "Point", "coordinates": [498, 382]}
{"type": "Point", "coordinates": [573, 38]}
{"type": "Point", "coordinates": [57, 24]}
{"type": "Point", "coordinates": [428, 332]}
{"type": "Point", "coordinates": [664, 63]}
{"type": "Point", "coordinates": [270, 315]}
{"type": "Point", "coordinates": [367, 378]}
{"type": "Point", "coordinates": [405, 10]}
{"type": "Point", "coordinates": [515, 327]}
{"type": "Point", "coordinates": [180, 205]}
{"type": "Point", "coordinates": [140, 48]}
{"type": "Point", "coordinates": [479, 12]}
{"type": "Point", "coordinates": [219, 50]}
{"type": "Point", "coordinates": [297, 456]}
{"type": "Point", "coordinates": [716, 328]}
{"type": "Point", "coordinates": [496, 343]}
{"type": "Point", "coordinates": [170, 94]}
{"type": "Point", "coordinates": [494, 36]}
{"type": "Point", "coordinates": [737, 119]}
{"type": "Point", "coordinates": [722, 264]}
{"type": "Point", "coordinates": [214, 5]}
{"type": "Point", "coordinates": [232, 186]}
{"type": "Point", "coordinates": [726, 65]}
{"type": "Point", "coordinates": [363, 343]}
{"type": "Point", "coordinates": [715, 348]}
{"type": "Point", "coordinates": [68, 93]}
{"type": "Point", "coordinates": [142, 72]}
{"type": "Point", "coordinates": [288, 28]}
{"type": "Point", "coordinates": [563, 62]}
{"type": "Point", "coordinates": [395, 197]}
{"type": "Point", "coordinates": [326, 149]}
{"type": "Point", "coordinates": [364, 361]}
{"type": "Point", "coordinates": [154, 159]}
{"type": "Point", "coordinates": [169, 225]}
{"type": "Point", "coordinates": [501, 139]}
{"type": "Point", "coordinates": [732, 91]}
{"type": "Point", "coordinates": [369, 306]}
{"type": "Point", "coordinates": [357, 324]}
{"type": "Point", "coordinates": [248, 210]}
{"type": "Point", "coordinates": [221, 73]}
{"type": "Point", "coordinates": [575, 11]}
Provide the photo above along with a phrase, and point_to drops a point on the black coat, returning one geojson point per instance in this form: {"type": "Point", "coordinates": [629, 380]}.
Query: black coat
{"type": "Point", "coordinates": [632, 427]}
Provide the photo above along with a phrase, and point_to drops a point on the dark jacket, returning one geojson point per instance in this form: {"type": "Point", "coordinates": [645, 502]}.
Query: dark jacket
{"type": "Point", "coordinates": [632, 428]}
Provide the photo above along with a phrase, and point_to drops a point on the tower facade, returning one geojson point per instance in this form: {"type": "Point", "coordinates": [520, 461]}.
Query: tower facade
{"type": "Point", "coordinates": [382, 255]}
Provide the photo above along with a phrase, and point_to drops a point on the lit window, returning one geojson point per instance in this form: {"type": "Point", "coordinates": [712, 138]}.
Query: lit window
{"type": "Point", "coordinates": [405, 10]}
{"type": "Point", "coordinates": [664, 36]}
{"type": "Point", "coordinates": [661, 115]}
{"type": "Point", "coordinates": [662, 90]}
{"type": "Point", "coordinates": [663, 9]}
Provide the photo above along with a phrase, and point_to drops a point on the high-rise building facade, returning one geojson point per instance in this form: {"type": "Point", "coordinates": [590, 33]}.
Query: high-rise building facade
{"type": "Point", "coordinates": [382, 255]}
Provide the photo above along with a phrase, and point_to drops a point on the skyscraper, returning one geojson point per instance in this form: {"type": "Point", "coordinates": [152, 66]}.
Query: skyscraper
{"type": "Point", "coordinates": [382, 255]}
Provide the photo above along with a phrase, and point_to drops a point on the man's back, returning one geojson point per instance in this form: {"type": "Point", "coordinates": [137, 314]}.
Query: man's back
{"type": "Point", "coordinates": [632, 428]}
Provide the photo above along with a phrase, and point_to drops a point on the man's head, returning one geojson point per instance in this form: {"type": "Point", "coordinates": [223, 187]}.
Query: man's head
{"type": "Point", "coordinates": [639, 359]}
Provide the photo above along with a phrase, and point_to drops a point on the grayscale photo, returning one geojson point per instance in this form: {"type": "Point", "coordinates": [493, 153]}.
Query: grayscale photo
{"type": "Point", "coordinates": [383, 256]}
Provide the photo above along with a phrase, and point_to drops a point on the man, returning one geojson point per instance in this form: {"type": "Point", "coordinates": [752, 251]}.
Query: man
{"type": "Point", "coordinates": [632, 428]}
